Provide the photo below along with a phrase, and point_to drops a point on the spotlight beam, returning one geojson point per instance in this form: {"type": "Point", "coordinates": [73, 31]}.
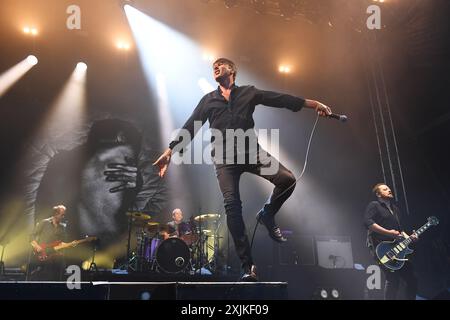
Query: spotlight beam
{"type": "Point", "coordinates": [11, 76]}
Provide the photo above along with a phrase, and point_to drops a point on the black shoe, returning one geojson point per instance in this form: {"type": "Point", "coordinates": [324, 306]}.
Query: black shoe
{"type": "Point", "coordinates": [250, 274]}
{"type": "Point", "coordinates": [269, 222]}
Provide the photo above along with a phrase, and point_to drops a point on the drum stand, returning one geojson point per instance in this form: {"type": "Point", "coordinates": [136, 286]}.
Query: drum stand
{"type": "Point", "coordinates": [128, 260]}
{"type": "Point", "coordinates": [202, 246]}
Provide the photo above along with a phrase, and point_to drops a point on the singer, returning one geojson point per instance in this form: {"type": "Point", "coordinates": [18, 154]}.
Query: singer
{"type": "Point", "coordinates": [231, 107]}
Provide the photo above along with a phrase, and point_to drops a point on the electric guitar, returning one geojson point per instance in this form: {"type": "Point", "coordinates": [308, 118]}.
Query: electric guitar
{"type": "Point", "coordinates": [51, 249]}
{"type": "Point", "coordinates": [391, 254]}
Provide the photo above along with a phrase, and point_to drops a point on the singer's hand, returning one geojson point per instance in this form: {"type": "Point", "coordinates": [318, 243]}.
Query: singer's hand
{"type": "Point", "coordinates": [322, 109]}
{"type": "Point", "coordinates": [163, 162]}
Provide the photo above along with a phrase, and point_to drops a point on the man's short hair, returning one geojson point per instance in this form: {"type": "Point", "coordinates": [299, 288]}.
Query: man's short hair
{"type": "Point", "coordinates": [230, 63]}
{"type": "Point", "coordinates": [58, 207]}
{"type": "Point", "coordinates": [175, 210]}
{"type": "Point", "coordinates": [377, 186]}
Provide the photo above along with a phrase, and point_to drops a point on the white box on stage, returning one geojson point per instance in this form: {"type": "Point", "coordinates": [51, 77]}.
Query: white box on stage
{"type": "Point", "coordinates": [334, 252]}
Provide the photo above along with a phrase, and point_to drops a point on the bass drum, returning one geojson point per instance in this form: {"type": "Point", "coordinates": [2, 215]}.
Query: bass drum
{"type": "Point", "coordinates": [173, 255]}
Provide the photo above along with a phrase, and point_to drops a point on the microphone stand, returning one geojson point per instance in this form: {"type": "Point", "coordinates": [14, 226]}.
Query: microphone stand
{"type": "Point", "coordinates": [2, 264]}
{"type": "Point", "coordinates": [93, 265]}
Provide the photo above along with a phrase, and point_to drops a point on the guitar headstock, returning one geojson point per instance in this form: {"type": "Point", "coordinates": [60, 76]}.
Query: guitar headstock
{"type": "Point", "coordinates": [433, 221]}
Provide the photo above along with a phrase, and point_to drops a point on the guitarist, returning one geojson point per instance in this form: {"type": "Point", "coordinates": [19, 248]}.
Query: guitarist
{"type": "Point", "coordinates": [383, 220]}
{"type": "Point", "coordinates": [48, 231]}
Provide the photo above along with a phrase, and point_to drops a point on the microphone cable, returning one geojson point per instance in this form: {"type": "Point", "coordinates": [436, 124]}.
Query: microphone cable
{"type": "Point", "coordinates": [295, 182]}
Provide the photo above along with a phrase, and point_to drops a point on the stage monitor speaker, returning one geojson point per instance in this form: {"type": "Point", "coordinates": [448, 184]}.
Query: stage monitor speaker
{"type": "Point", "coordinates": [299, 250]}
{"type": "Point", "coordinates": [334, 252]}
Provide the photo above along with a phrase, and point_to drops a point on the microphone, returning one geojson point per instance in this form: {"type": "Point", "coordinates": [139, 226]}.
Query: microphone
{"type": "Point", "coordinates": [340, 117]}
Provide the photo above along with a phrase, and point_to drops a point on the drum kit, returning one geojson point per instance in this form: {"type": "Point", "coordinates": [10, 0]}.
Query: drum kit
{"type": "Point", "coordinates": [194, 249]}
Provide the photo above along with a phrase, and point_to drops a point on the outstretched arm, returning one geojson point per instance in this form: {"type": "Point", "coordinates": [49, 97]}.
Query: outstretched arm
{"type": "Point", "coordinates": [282, 100]}
{"type": "Point", "coordinates": [199, 114]}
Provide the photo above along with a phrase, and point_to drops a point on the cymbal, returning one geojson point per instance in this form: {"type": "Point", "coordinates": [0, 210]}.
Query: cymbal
{"type": "Point", "coordinates": [139, 215]}
{"type": "Point", "coordinates": [152, 226]}
{"type": "Point", "coordinates": [207, 216]}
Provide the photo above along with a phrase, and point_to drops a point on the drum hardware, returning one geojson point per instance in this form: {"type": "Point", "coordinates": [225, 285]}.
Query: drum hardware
{"type": "Point", "coordinates": [134, 261]}
{"type": "Point", "coordinates": [206, 251]}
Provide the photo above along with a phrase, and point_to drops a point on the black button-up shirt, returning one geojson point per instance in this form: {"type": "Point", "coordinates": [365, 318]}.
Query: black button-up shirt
{"type": "Point", "coordinates": [237, 113]}
{"type": "Point", "coordinates": [378, 212]}
{"type": "Point", "coordinates": [46, 232]}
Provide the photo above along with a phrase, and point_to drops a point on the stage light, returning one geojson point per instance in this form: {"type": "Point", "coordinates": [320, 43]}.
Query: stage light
{"type": "Point", "coordinates": [30, 31]}
{"type": "Point", "coordinates": [327, 293]}
{"type": "Point", "coordinates": [32, 60]}
{"type": "Point", "coordinates": [145, 295]}
{"type": "Point", "coordinates": [284, 69]}
{"type": "Point", "coordinates": [81, 66]}
{"type": "Point", "coordinates": [121, 45]}
{"type": "Point", "coordinates": [335, 294]}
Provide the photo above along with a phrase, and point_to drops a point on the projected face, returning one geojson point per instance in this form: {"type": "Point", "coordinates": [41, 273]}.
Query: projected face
{"type": "Point", "coordinates": [385, 192]}
{"type": "Point", "coordinates": [97, 181]}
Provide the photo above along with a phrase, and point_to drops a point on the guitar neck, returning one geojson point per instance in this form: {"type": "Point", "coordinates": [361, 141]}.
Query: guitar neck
{"type": "Point", "coordinates": [71, 244]}
{"type": "Point", "coordinates": [419, 231]}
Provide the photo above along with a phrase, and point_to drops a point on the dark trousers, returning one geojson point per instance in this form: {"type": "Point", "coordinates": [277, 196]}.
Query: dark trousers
{"type": "Point", "coordinates": [228, 176]}
{"type": "Point", "coordinates": [50, 270]}
{"type": "Point", "coordinates": [393, 282]}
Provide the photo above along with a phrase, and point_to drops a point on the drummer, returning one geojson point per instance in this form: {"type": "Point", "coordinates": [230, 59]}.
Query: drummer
{"type": "Point", "coordinates": [177, 227]}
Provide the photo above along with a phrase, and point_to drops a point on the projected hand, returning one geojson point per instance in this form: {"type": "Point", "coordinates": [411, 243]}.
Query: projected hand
{"type": "Point", "coordinates": [127, 173]}
{"type": "Point", "coordinates": [163, 162]}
